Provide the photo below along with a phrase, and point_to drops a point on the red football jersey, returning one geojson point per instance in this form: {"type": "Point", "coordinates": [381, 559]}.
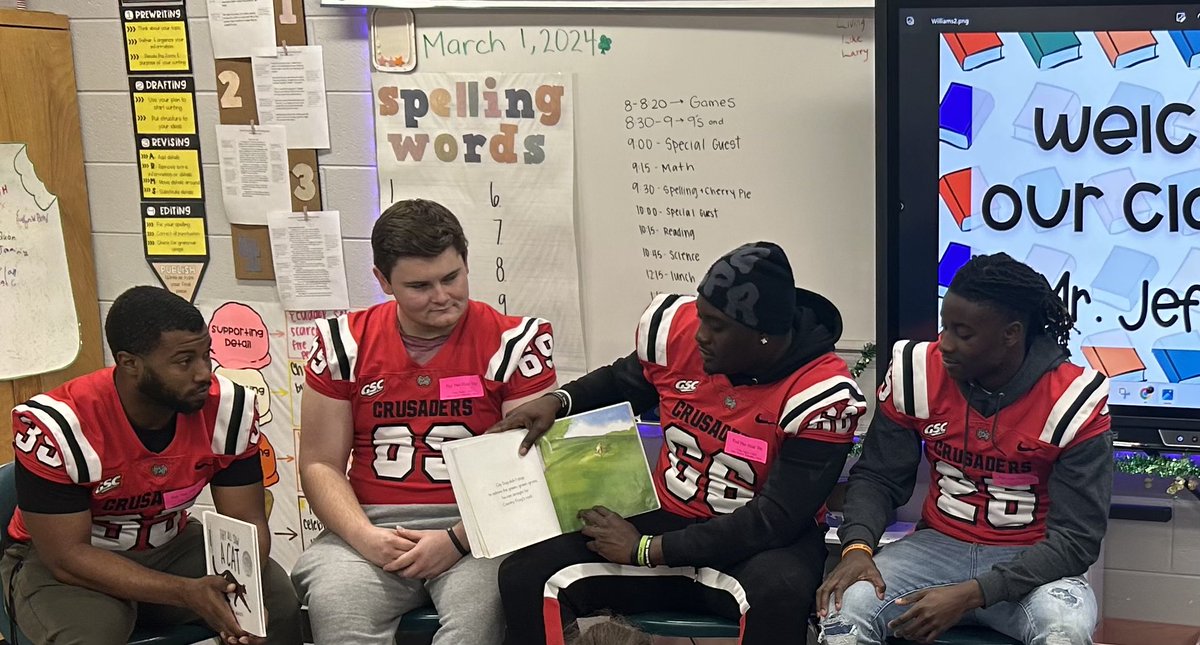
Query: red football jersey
{"type": "Point", "coordinates": [404, 411]}
{"type": "Point", "coordinates": [78, 434]}
{"type": "Point", "coordinates": [720, 439]}
{"type": "Point", "coordinates": [989, 476]}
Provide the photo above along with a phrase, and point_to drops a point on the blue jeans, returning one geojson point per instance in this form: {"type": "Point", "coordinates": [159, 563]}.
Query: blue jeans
{"type": "Point", "coordinates": [1059, 613]}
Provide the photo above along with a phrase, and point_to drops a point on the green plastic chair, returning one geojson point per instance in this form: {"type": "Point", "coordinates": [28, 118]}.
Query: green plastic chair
{"type": "Point", "coordinates": [683, 625]}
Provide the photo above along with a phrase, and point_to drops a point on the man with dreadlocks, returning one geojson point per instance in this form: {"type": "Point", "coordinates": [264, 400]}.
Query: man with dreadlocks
{"type": "Point", "coordinates": [1019, 450]}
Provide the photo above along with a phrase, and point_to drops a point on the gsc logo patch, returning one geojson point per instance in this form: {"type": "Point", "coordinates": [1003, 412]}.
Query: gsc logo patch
{"type": "Point", "coordinates": [372, 388]}
{"type": "Point", "coordinates": [935, 429]}
{"type": "Point", "coordinates": [108, 484]}
{"type": "Point", "coordinates": [686, 387]}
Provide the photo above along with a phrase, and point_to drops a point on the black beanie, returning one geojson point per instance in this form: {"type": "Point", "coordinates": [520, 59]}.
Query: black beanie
{"type": "Point", "coordinates": [753, 285]}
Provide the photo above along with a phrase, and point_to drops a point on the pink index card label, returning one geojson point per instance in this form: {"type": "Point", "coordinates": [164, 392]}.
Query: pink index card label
{"type": "Point", "coordinates": [1015, 479]}
{"type": "Point", "coordinates": [460, 387]}
{"type": "Point", "coordinates": [183, 496]}
{"type": "Point", "coordinates": [739, 445]}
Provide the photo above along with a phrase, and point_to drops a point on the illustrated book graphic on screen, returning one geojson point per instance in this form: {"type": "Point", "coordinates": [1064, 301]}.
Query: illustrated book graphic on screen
{"type": "Point", "coordinates": [963, 112]}
{"type": "Point", "coordinates": [1049, 49]}
{"type": "Point", "coordinates": [973, 51]}
{"type": "Point", "coordinates": [1127, 48]}
{"type": "Point", "coordinates": [1188, 44]}
{"type": "Point", "coordinates": [1112, 353]}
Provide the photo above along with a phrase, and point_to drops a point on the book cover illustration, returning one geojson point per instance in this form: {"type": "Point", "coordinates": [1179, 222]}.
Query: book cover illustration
{"type": "Point", "coordinates": [231, 551]}
{"type": "Point", "coordinates": [1188, 44]}
{"type": "Point", "coordinates": [974, 50]}
{"type": "Point", "coordinates": [1112, 353]}
{"type": "Point", "coordinates": [1050, 49]}
{"type": "Point", "coordinates": [596, 458]}
{"type": "Point", "coordinates": [1119, 282]}
{"type": "Point", "coordinates": [1125, 49]}
{"type": "Point", "coordinates": [1054, 101]}
{"type": "Point", "coordinates": [963, 111]}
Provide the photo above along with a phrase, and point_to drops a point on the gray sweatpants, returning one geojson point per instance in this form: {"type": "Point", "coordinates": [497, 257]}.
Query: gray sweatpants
{"type": "Point", "coordinates": [351, 600]}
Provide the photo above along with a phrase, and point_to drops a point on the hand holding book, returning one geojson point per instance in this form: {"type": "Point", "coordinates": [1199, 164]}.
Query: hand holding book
{"type": "Point", "coordinates": [580, 462]}
{"type": "Point", "coordinates": [535, 417]}
{"type": "Point", "coordinates": [613, 537]}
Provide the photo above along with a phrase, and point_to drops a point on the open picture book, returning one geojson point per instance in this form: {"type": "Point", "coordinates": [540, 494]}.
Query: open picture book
{"type": "Point", "coordinates": [231, 551]}
{"type": "Point", "coordinates": [509, 502]}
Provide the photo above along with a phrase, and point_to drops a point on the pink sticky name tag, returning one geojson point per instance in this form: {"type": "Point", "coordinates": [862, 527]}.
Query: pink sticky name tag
{"type": "Point", "coordinates": [182, 496]}
{"type": "Point", "coordinates": [739, 445]}
{"type": "Point", "coordinates": [460, 387]}
{"type": "Point", "coordinates": [1019, 479]}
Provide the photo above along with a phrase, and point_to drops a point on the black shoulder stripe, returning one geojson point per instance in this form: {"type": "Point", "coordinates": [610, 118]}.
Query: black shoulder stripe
{"type": "Point", "coordinates": [235, 420]}
{"type": "Point", "coordinates": [72, 443]}
{"type": "Point", "coordinates": [655, 323]}
{"type": "Point", "coordinates": [510, 348]}
{"type": "Point", "coordinates": [339, 348]}
{"type": "Point", "coordinates": [1065, 421]}
{"type": "Point", "coordinates": [806, 406]}
{"type": "Point", "coordinates": [906, 367]}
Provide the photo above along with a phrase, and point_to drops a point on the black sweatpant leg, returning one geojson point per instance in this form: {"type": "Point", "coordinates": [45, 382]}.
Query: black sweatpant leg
{"type": "Point", "coordinates": [778, 587]}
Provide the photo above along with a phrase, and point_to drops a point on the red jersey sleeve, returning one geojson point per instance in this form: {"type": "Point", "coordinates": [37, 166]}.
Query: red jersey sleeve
{"type": "Point", "coordinates": [535, 368]}
{"type": "Point", "coordinates": [1080, 412]}
{"type": "Point", "coordinates": [894, 393]}
{"type": "Point", "coordinates": [317, 373]}
{"type": "Point", "coordinates": [824, 405]}
{"type": "Point", "coordinates": [49, 442]}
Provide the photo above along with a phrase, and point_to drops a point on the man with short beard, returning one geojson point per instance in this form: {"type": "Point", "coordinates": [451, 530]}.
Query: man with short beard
{"type": "Point", "coordinates": [107, 465]}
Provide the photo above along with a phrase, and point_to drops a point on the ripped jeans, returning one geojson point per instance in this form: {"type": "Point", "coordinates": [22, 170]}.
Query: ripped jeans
{"type": "Point", "coordinates": [1059, 613]}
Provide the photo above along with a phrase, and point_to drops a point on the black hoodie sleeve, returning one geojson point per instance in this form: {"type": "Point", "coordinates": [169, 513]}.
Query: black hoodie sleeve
{"type": "Point", "coordinates": [1080, 492]}
{"type": "Point", "coordinates": [798, 483]}
{"type": "Point", "coordinates": [881, 481]}
{"type": "Point", "coordinates": [624, 380]}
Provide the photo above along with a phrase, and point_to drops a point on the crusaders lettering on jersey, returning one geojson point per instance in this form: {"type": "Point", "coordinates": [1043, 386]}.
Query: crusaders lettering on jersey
{"type": "Point", "coordinates": [400, 423]}
{"type": "Point", "coordinates": [991, 463]}
{"type": "Point", "coordinates": [422, 408]}
{"type": "Point", "coordinates": [698, 420]}
{"type": "Point", "coordinates": [990, 475]}
{"type": "Point", "coordinates": [129, 504]}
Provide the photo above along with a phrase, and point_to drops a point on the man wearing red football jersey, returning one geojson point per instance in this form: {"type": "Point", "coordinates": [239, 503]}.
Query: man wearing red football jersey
{"type": "Point", "coordinates": [385, 388]}
{"type": "Point", "coordinates": [1020, 459]}
{"type": "Point", "coordinates": [758, 417]}
{"type": "Point", "coordinates": [106, 467]}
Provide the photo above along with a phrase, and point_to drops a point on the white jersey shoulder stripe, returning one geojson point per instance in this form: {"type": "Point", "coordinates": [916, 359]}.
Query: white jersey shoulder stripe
{"type": "Point", "coordinates": [1074, 407]}
{"type": "Point", "coordinates": [817, 398]}
{"type": "Point", "coordinates": [235, 418]}
{"type": "Point", "coordinates": [910, 384]}
{"type": "Point", "coordinates": [79, 457]}
{"type": "Point", "coordinates": [513, 343]}
{"type": "Point", "coordinates": [654, 328]}
{"type": "Point", "coordinates": [341, 349]}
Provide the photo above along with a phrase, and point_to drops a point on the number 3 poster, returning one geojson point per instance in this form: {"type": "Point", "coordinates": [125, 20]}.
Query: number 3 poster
{"type": "Point", "coordinates": [498, 150]}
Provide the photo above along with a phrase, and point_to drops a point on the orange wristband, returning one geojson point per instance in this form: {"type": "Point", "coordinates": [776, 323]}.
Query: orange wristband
{"type": "Point", "coordinates": [860, 546]}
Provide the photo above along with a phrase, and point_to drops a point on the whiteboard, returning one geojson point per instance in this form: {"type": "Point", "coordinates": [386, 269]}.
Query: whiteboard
{"type": "Point", "coordinates": [37, 307]}
{"type": "Point", "coordinates": [789, 159]}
